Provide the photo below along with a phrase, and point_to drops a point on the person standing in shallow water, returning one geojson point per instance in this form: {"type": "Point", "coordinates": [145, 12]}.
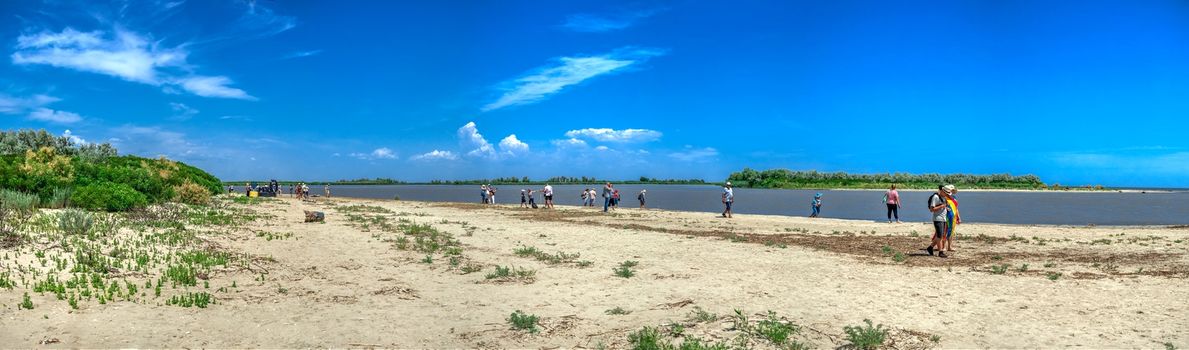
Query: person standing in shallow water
{"type": "Point", "coordinates": [816, 205]}
{"type": "Point", "coordinates": [892, 199]}
{"type": "Point", "coordinates": [606, 196]}
{"type": "Point", "coordinates": [641, 196]}
{"type": "Point", "coordinates": [728, 198]}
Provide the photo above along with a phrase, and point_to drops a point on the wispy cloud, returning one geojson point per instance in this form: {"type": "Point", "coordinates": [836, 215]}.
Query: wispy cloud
{"type": "Point", "coordinates": [594, 23]}
{"type": "Point", "coordinates": [379, 153]}
{"type": "Point", "coordinates": [691, 154]}
{"type": "Point", "coordinates": [546, 81]}
{"type": "Point", "coordinates": [54, 116]}
{"type": "Point", "coordinates": [181, 111]}
{"type": "Point", "coordinates": [612, 135]}
{"type": "Point", "coordinates": [436, 155]}
{"type": "Point", "coordinates": [34, 108]}
{"type": "Point", "coordinates": [213, 87]}
{"type": "Point", "coordinates": [122, 54]}
{"type": "Point", "coordinates": [300, 54]}
{"type": "Point", "coordinates": [569, 143]}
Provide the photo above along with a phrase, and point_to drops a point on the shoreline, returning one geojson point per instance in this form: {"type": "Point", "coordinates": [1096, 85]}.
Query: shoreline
{"type": "Point", "coordinates": [1075, 190]}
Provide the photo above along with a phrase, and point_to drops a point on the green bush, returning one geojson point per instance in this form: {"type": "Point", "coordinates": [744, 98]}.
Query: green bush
{"type": "Point", "coordinates": [866, 337]}
{"type": "Point", "coordinates": [108, 196]}
{"type": "Point", "coordinates": [59, 198]}
{"type": "Point", "coordinates": [18, 200]}
{"type": "Point", "coordinates": [75, 222]}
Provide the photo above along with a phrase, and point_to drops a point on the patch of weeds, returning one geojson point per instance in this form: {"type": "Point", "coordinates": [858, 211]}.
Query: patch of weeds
{"type": "Point", "coordinates": [200, 299]}
{"type": "Point", "coordinates": [650, 338]}
{"type": "Point", "coordinates": [886, 250]}
{"type": "Point", "coordinates": [584, 263]}
{"type": "Point", "coordinates": [703, 316]}
{"type": "Point", "coordinates": [935, 338]}
{"type": "Point", "coordinates": [997, 257]}
{"type": "Point", "coordinates": [999, 269]}
{"type": "Point", "coordinates": [508, 273]}
{"type": "Point", "coordinates": [1050, 265]}
{"type": "Point", "coordinates": [1053, 276]}
{"type": "Point", "coordinates": [470, 268]}
{"type": "Point", "coordinates": [617, 311]}
{"type": "Point", "coordinates": [867, 336]}
{"type": "Point", "coordinates": [26, 303]}
{"type": "Point", "coordinates": [625, 269]}
{"type": "Point", "coordinates": [899, 257]}
{"type": "Point", "coordinates": [1023, 268]}
{"type": "Point", "coordinates": [776, 330]}
{"type": "Point", "coordinates": [428, 259]}
{"type": "Point", "coordinates": [523, 321]}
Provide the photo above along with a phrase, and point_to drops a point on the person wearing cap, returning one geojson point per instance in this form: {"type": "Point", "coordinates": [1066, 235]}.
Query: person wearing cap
{"type": "Point", "coordinates": [641, 197]}
{"type": "Point", "coordinates": [728, 198]}
{"type": "Point", "coordinates": [817, 205]}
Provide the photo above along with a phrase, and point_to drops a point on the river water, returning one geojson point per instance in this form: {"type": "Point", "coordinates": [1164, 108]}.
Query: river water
{"type": "Point", "coordinates": [1049, 208]}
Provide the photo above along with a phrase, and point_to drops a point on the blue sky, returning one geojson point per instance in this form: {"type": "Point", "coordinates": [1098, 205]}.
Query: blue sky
{"type": "Point", "coordinates": [1076, 92]}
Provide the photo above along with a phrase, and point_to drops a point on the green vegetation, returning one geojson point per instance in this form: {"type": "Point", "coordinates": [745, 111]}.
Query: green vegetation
{"type": "Point", "coordinates": [650, 338]}
{"type": "Point", "coordinates": [866, 337]}
{"type": "Point", "coordinates": [617, 311]}
{"type": "Point", "coordinates": [625, 269]}
{"type": "Point", "coordinates": [523, 321]}
{"type": "Point", "coordinates": [784, 178]}
{"type": "Point", "coordinates": [60, 173]}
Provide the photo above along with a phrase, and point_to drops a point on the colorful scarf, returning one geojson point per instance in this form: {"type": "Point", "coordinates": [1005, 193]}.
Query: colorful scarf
{"type": "Point", "coordinates": [953, 218]}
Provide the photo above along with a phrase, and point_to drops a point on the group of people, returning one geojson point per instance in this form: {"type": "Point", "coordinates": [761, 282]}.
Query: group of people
{"type": "Point", "coordinates": [944, 207]}
{"type": "Point", "coordinates": [487, 193]}
{"type": "Point", "coordinates": [528, 197]}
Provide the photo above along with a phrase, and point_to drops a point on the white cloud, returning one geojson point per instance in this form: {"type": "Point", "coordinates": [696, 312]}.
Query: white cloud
{"type": "Point", "coordinates": [695, 154]}
{"type": "Point", "coordinates": [300, 54]}
{"type": "Point", "coordinates": [74, 138]}
{"type": "Point", "coordinates": [181, 111]}
{"type": "Point", "coordinates": [602, 148]}
{"type": "Point", "coordinates": [513, 146]}
{"type": "Point", "coordinates": [379, 153]}
{"type": "Point", "coordinates": [612, 135]}
{"type": "Point", "coordinates": [470, 138]}
{"type": "Point", "coordinates": [122, 54]}
{"type": "Point", "coordinates": [546, 81]}
{"type": "Point", "coordinates": [590, 23]}
{"type": "Point", "coordinates": [569, 143]}
{"type": "Point", "coordinates": [216, 86]}
{"type": "Point", "coordinates": [436, 155]}
{"type": "Point", "coordinates": [17, 105]}
{"type": "Point", "coordinates": [54, 116]}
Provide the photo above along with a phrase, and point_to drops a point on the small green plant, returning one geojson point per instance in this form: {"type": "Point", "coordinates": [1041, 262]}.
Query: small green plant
{"type": "Point", "coordinates": [523, 321]}
{"type": "Point", "coordinates": [617, 311]}
{"type": "Point", "coordinates": [701, 315]}
{"type": "Point", "coordinates": [999, 269]}
{"type": "Point", "coordinates": [428, 259]}
{"type": "Point", "coordinates": [899, 257]}
{"type": "Point", "coordinates": [1169, 346]}
{"type": "Point", "coordinates": [1053, 276]}
{"type": "Point", "coordinates": [26, 303]}
{"type": "Point", "coordinates": [676, 330]}
{"type": "Point", "coordinates": [585, 263]}
{"type": "Point", "coordinates": [500, 272]}
{"type": "Point", "coordinates": [997, 257]}
{"type": "Point", "coordinates": [775, 330]}
{"type": "Point", "coordinates": [866, 337]}
{"type": "Point", "coordinates": [935, 338]}
{"type": "Point", "coordinates": [625, 269]}
{"type": "Point", "coordinates": [887, 250]}
{"type": "Point", "coordinates": [1023, 268]}
{"type": "Point", "coordinates": [1050, 265]}
{"type": "Point", "coordinates": [470, 268]}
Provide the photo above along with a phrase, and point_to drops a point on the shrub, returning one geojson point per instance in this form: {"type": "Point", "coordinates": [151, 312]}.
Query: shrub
{"type": "Point", "coordinates": [18, 200]}
{"type": "Point", "coordinates": [523, 321]}
{"type": "Point", "coordinates": [75, 222]}
{"type": "Point", "coordinates": [866, 337]}
{"type": "Point", "coordinates": [192, 193]}
{"type": "Point", "coordinates": [108, 196]}
{"type": "Point", "coordinates": [59, 198]}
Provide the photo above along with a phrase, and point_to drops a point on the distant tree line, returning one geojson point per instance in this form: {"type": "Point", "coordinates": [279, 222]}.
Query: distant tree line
{"type": "Point", "coordinates": [785, 178]}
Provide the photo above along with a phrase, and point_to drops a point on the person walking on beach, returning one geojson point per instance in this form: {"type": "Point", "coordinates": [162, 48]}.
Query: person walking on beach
{"type": "Point", "coordinates": [326, 189]}
{"type": "Point", "coordinates": [641, 197]}
{"type": "Point", "coordinates": [606, 196]}
{"type": "Point", "coordinates": [483, 194]}
{"type": "Point", "coordinates": [939, 209]}
{"type": "Point", "coordinates": [817, 205]}
{"type": "Point", "coordinates": [490, 194]}
{"type": "Point", "coordinates": [591, 194]}
{"type": "Point", "coordinates": [952, 218]}
{"type": "Point", "coordinates": [532, 202]}
{"type": "Point", "coordinates": [892, 199]}
{"type": "Point", "coordinates": [247, 189]}
{"type": "Point", "coordinates": [728, 198]}
{"type": "Point", "coordinates": [523, 200]}
{"type": "Point", "coordinates": [548, 191]}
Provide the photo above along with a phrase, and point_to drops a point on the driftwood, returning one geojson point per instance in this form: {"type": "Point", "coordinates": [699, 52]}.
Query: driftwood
{"type": "Point", "coordinates": [315, 216]}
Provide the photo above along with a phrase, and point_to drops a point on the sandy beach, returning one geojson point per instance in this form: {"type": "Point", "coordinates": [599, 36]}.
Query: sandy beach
{"type": "Point", "coordinates": [363, 279]}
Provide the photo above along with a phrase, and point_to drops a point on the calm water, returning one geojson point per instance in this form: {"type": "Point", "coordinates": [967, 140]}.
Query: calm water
{"type": "Point", "coordinates": [1053, 208]}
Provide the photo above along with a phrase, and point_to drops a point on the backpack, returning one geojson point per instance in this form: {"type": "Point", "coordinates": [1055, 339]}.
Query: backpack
{"type": "Point", "coordinates": [929, 202]}
{"type": "Point", "coordinates": [534, 205]}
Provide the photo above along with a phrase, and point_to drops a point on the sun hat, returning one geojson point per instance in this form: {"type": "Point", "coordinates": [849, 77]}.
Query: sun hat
{"type": "Point", "coordinates": [728, 183]}
{"type": "Point", "coordinates": [949, 188]}
{"type": "Point", "coordinates": [818, 195]}
{"type": "Point", "coordinates": [643, 190]}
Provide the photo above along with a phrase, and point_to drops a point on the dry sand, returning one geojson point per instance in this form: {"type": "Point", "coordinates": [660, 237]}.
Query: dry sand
{"type": "Point", "coordinates": [339, 284]}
